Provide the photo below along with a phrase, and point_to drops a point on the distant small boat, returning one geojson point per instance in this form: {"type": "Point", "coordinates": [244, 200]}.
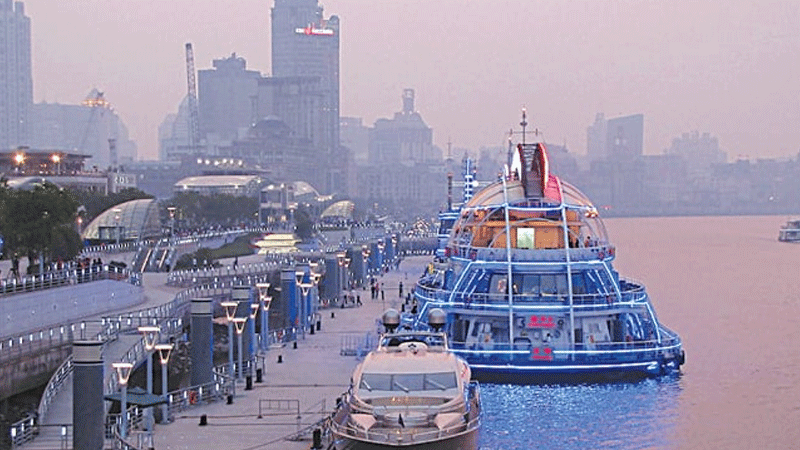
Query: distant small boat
{"type": "Point", "coordinates": [411, 392]}
{"type": "Point", "coordinates": [790, 231]}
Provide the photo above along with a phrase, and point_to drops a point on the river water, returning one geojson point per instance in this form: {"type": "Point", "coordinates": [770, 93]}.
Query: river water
{"type": "Point", "coordinates": [732, 292]}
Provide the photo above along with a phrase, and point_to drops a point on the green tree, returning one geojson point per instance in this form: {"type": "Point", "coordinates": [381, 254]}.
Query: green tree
{"type": "Point", "coordinates": [95, 203]}
{"type": "Point", "coordinates": [38, 222]}
{"type": "Point", "coordinates": [219, 209]}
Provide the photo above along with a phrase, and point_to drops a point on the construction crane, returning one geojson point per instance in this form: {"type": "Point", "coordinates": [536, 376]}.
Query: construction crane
{"type": "Point", "coordinates": [194, 116]}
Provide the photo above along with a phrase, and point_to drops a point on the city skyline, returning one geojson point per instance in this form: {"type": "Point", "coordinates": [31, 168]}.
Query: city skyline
{"type": "Point", "coordinates": [727, 69]}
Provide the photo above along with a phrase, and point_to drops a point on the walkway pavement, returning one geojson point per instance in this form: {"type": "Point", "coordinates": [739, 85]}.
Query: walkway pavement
{"type": "Point", "coordinates": [314, 374]}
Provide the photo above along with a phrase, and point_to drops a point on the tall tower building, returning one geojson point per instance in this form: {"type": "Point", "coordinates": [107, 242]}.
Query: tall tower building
{"type": "Point", "coordinates": [304, 44]}
{"type": "Point", "coordinates": [16, 82]}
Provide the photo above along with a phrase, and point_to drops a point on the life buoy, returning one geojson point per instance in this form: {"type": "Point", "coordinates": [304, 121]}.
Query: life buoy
{"type": "Point", "coordinates": [192, 397]}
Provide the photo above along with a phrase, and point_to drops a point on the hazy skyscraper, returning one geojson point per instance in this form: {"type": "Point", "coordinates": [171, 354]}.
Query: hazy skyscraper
{"type": "Point", "coordinates": [304, 44]}
{"type": "Point", "coordinates": [16, 83]}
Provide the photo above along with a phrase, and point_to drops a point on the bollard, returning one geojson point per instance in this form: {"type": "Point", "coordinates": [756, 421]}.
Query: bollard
{"type": "Point", "coordinates": [333, 315]}
{"type": "Point", "coordinates": [248, 383]}
{"type": "Point", "coordinates": [317, 439]}
{"type": "Point", "coordinates": [280, 359]}
{"type": "Point", "coordinates": [259, 375]}
{"type": "Point", "coordinates": [230, 399]}
{"type": "Point", "coordinates": [319, 325]}
{"type": "Point", "coordinates": [203, 420]}
{"type": "Point", "coordinates": [312, 329]}
{"type": "Point", "coordinates": [294, 345]}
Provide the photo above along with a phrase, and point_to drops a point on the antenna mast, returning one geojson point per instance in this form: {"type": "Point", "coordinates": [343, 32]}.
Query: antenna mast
{"type": "Point", "coordinates": [194, 116]}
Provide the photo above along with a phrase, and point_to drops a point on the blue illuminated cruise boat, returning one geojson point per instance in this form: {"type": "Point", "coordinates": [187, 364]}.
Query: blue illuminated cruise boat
{"type": "Point", "coordinates": [529, 288]}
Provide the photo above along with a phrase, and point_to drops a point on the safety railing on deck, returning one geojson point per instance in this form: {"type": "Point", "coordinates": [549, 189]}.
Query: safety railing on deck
{"type": "Point", "coordinates": [630, 293]}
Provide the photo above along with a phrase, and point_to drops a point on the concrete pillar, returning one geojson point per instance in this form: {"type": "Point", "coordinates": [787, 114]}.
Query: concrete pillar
{"type": "Point", "coordinates": [202, 342]}
{"type": "Point", "coordinates": [87, 408]}
{"type": "Point", "coordinates": [289, 298]}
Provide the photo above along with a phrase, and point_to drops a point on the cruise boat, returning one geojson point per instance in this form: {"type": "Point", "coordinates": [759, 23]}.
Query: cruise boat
{"type": "Point", "coordinates": [411, 392]}
{"type": "Point", "coordinates": [790, 232]}
{"type": "Point", "coordinates": [530, 291]}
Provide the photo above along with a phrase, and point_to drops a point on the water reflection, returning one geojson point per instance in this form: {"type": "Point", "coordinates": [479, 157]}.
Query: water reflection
{"type": "Point", "coordinates": [613, 416]}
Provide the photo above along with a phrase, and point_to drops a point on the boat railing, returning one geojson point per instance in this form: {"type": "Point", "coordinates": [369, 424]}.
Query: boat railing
{"type": "Point", "coordinates": [593, 351]}
{"type": "Point", "coordinates": [593, 252]}
{"type": "Point", "coordinates": [631, 293]}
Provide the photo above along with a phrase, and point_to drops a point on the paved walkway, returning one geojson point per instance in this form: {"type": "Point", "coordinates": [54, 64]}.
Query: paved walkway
{"type": "Point", "coordinates": [312, 374]}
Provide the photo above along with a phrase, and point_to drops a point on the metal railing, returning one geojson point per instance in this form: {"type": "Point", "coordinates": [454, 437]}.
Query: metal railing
{"type": "Point", "coordinates": [63, 277]}
{"type": "Point", "coordinates": [169, 315]}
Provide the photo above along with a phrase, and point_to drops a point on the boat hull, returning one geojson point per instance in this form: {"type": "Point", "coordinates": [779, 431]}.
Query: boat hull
{"type": "Point", "coordinates": [571, 373]}
{"type": "Point", "coordinates": [464, 441]}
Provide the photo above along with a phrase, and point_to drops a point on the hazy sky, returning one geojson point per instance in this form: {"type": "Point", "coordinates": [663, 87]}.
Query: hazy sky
{"type": "Point", "coordinates": [730, 67]}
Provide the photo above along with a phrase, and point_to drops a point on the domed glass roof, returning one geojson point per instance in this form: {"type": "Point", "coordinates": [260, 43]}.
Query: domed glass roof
{"type": "Point", "coordinates": [133, 220]}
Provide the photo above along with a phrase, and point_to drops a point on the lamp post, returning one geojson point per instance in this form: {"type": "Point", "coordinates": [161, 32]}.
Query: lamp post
{"type": "Point", "coordinates": [240, 323]}
{"type": "Point", "coordinates": [56, 158]}
{"type": "Point", "coordinates": [149, 334]}
{"type": "Point", "coordinates": [299, 275]}
{"type": "Point", "coordinates": [265, 299]}
{"type": "Point", "coordinates": [171, 210]}
{"type": "Point", "coordinates": [254, 307]}
{"type": "Point", "coordinates": [339, 276]}
{"type": "Point", "coordinates": [230, 311]}
{"type": "Point", "coordinates": [19, 160]}
{"type": "Point", "coordinates": [123, 373]}
{"type": "Point", "coordinates": [164, 351]}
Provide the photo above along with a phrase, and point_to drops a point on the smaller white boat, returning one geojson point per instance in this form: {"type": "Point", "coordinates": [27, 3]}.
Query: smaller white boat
{"type": "Point", "coordinates": [790, 232]}
{"type": "Point", "coordinates": [411, 392]}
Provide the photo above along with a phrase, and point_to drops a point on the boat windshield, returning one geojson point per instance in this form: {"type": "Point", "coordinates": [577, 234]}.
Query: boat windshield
{"type": "Point", "coordinates": [408, 382]}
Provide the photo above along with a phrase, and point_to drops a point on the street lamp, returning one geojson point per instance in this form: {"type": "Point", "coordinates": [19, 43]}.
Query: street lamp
{"type": "Point", "coordinates": [299, 275]}
{"type": "Point", "coordinates": [230, 311]}
{"type": "Point", "coordinates": [164, 351]}
{"type": "Point", "coordinates": [239, 322]}
{"type": "Point", "coordinates": [171, 210]}
{"type": "Point", "coordinates": [265, 300]}
{"type": "Point", "coordinates": [56, 158]}
{"type": "Point", "coordinates": [149, 334]}
{"type": "Point", "coordinates": [19, 160]}
{"type": "Point", "coordinates": [123, 373]}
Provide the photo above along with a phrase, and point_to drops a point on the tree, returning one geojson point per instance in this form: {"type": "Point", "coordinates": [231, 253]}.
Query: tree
{"type": "Point", "coordinates": [39, 221]}
{"type": "Point", "coordinates": [95, 203]}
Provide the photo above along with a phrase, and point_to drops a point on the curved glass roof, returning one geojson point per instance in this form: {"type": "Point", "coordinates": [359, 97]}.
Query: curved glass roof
{"type": "Point", "coordinates": [134, 220]}
{"type": "Point", "coordinates": [342, 209]}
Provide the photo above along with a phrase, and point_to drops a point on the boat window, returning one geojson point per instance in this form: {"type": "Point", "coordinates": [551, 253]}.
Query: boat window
{"type": "Point", "coordinates": [554, 284]}
{"type": "Point", "coordinates": [498, 284]}
{"type": "Point", "coordinates": [529, 284]}
{"type": "Point", "coordinates": [578, 283]}
{"type": "Point", "coordinates": [408, 382]}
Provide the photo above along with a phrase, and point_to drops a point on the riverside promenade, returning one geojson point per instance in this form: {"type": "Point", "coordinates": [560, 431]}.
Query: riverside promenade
{"type": "Point", "coordinates": [309, 380]}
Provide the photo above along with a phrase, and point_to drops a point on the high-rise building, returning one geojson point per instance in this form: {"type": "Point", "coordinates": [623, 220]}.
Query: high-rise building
{"type": "Point", "coordinates": [404, 139]}
{"type": "Point", "coordinates": [92, 128]}
{"type": "Point", "coordinates": [596, 139]}
{"type": "Point", "coordinates": [227, 97]}
{"type": "Point", "coordinates": [16, 82]}
{"type": "Point", "coordinates": [305, 44]}
{"type": "Point", "coordinates": [625, 136]}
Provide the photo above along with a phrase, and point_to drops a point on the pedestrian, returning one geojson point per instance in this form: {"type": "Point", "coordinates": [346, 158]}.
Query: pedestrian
{"type": "Point", "coordinates": [383, 297]}
{"type": "Point", "coordinates": [400, 288]}
{"type": "Point", "coordinates": [235, 262]}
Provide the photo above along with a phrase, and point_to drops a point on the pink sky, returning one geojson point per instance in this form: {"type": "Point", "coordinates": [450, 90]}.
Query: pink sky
{"type": "Point", "coordinates": [731, 68]}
